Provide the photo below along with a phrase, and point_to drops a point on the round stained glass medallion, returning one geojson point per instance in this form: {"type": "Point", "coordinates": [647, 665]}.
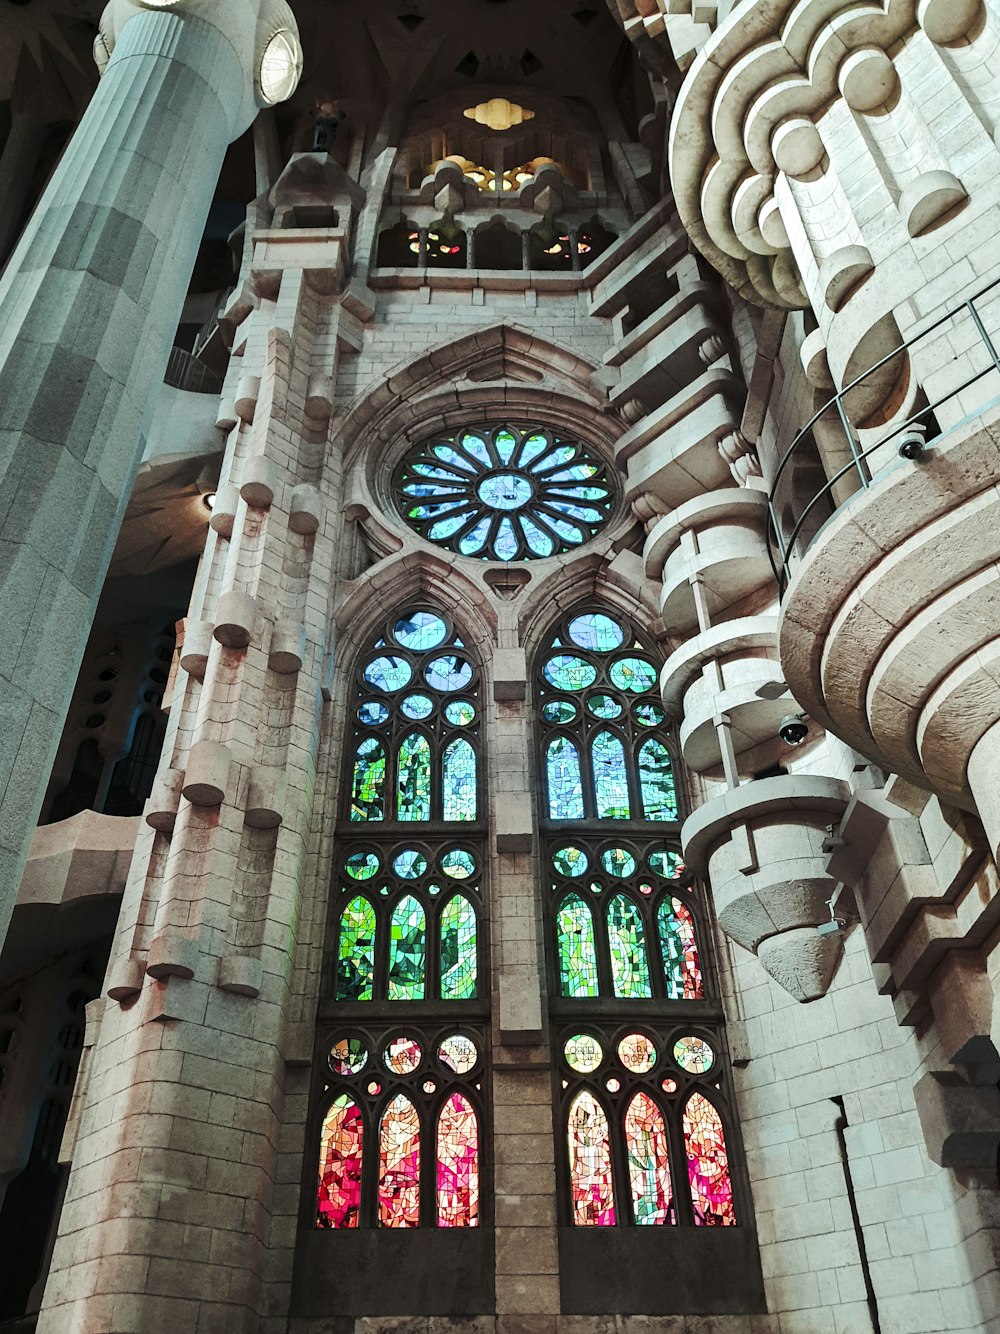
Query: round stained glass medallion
{"type": "Point", "coordinates": [570, 861]}
{"type": "Point", "coordinates": [559, 711]}
{"type": "Point", "coordinates": [458, 863]}
{"type": "Point", "coordinates": [504, 492]}
{"type": "Point", "coordinates": [596, 631]}
{"type": "Point", "coordinates": [448, 673]}
{"type": "Point", "coordinates": [460, 712]}
{"type": "Point", "coordinates": [458, 1053]}
{"type": "Point", "coordinates": [604, 706]}
{"type": "Point", "coordinates": [583, 1053]}
{"type": "Point", "coordinates": [649, 715]}
{"type": "Point", "coordinates": [362, 865]}
{"type": "Point", "coordinates": [417, 706]}
{"type": "Point", "coordinates": [420, 631]}
{"type": "Point", "coordinates": [402, 1056]}
{"type": "Point", "coordinates": [567, 672]}
{"type": "Point", "coordinates": [667, 864]}
{"type": "Point", "coordinates": [388, 674]}
{"type": "Point", "coordinates": [372, 713]}
{"type": "Point", "coordinates": [637, 1053]}
{"type": "Point", "coordinates": [348, 1056]}
{"type": "Point", "coordinates": [633, 674]}
{"type": "Point", "coordinates": [694, 1055]}
{"type": "Point", "coordinates": [410, 865]}
{"type": "Point", "coordinates": [618, 862]}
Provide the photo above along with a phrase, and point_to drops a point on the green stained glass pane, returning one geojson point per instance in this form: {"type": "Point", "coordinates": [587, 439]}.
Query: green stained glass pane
{"type": "Point", "coordinates": [649, 715]}
{"type": "Point", "coordinates": [458, 949]}
{"type": "Point", "coordinates": [356, 951]}
{"type": "Point", "coordinates": [633, 674]}
{"type": "Point", "coordinates": [458, 863]}
{"type": "Point", "coordinates": [414, 779]}
{"type": "Point", "coordinates": [668, 864]}
{"type": "Point", "coordinates": [577, 950]}
{"type": "Point", "coordinates": [679, 946]}
{"type": "Point", "coordinates": [618, 862]}
{"type": "Point", "coordinates": [656, 779]}
{"type": "Point", "coordinates": [368, 782]}
{"type": "Point", "coordinates": [570, 861]}
{"type": "Point", "coordinates": [562, 768]}
{"type": "Point", "coordinates": [460, 712]}
{"type": "Point", "coordinates": [362, 865]}
{"type": "Point", "coordinates": [627, 942]}
{"type": "Point", "coordinates": [568, 672]}
{"type": "Point", "coordinates": [459, 781]}
{"type": "Point", "coordinates": [559, 711]}
{"type": "Point", "coordinates": [610, 777]}
{"type": "Point", "coordinates": [604, 706]}
{"type": "Point", "coordinates": [407, 950]}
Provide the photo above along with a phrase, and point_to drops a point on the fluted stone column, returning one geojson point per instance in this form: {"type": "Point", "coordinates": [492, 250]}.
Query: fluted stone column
{"type": "Point", "coordinates": [88, 306]}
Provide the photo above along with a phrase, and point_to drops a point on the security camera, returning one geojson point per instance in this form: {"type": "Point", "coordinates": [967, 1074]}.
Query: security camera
{"type": "Point", "coordinates": [911, 446]}
{"type": "Point", "coordinates": [836, 926]}
{"type": "Point", "coordinates": [792, 729]}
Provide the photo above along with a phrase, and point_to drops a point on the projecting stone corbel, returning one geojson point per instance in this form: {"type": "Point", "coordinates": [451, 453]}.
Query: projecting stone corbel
{"type": "Point", "coordinates": [960, 1121]}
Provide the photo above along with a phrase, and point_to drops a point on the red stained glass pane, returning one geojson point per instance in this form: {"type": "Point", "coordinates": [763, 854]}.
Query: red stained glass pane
{"type": "Point", "coordinates": [590, 1163]}
{"type": "Point", "coordinates": [339, 1199]}
{"type": "Point", "coordinates": [399, 1165]}
{"type": "Point", "coordinates": [648, 1162]}
{"type": "Point", "coordinates": [457, 1164]}
{"type": "Point", "coordinates": [708, 1164]}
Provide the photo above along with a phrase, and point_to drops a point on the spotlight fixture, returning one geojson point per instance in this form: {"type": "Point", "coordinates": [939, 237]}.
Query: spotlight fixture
{"type": "Point", "coordinates": [208, 500]}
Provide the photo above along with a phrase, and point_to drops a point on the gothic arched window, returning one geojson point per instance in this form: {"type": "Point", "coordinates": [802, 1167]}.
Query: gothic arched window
{"type": "Point", "coordinates": [639, 1046]}
{"type": "Point", "coordinates": [403, 1044]}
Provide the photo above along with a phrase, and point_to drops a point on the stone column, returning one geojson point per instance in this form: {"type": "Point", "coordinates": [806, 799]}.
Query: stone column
{"type": "Point", "coordinates": [88, 306]}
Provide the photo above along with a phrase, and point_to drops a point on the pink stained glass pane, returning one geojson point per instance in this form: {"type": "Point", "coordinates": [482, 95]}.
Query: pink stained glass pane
{"type": "Point", "coordinates": [457, 1164]}
{"type": "Point", "coordinates": [708, 1164]}
{"type": "Point", "coordinates": [399, 1165]}
{"type": "Point", "coordinates": [339, 1196]}
{"type": "Point", "coordinates": [590, 1163]}
{"type": "Point", "coordinates": [648, 1162]}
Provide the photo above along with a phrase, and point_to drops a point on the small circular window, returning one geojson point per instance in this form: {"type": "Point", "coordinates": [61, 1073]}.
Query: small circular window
{"type": "Point", "coordinates": [504, 492]}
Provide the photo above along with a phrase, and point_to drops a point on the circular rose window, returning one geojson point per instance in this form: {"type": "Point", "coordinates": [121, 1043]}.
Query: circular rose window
{"type": "Point", "coordinates": [504, 492]}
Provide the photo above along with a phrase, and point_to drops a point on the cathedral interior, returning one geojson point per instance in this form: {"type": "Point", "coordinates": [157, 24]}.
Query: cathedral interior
{"type": "Point", "coordinates": [500, 655]}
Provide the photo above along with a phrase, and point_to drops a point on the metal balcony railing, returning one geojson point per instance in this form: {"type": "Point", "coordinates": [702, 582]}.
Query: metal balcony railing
{"type": "Point", "coordinates": [794, 521]}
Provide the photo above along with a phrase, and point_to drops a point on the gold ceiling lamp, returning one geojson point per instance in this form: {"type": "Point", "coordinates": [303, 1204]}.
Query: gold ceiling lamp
{"type": "Point", "coordinates": [498, 114]}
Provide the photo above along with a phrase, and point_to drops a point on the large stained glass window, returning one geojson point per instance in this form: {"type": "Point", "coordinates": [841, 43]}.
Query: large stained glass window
{"type": "Point", "coordinates": [395, 1101]}
{"type": "Point", "coordinates": [642, 1124]}
{"type": "Point", "coordinates": [505, 492]}
{"type": "Point", "coordinates": [639, 1043]}
{"type": "Point", "coordinates": [400, 1120]}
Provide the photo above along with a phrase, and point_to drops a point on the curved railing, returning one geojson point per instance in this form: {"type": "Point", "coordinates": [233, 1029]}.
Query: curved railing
{"type": "Point", "coordinates": [918, 431]}
{"type": "Point", "coordinates": [185, 371]}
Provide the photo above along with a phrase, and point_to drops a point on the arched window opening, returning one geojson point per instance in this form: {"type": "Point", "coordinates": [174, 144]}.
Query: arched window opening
{"type": "Point", "coordinates": [396, 1102]}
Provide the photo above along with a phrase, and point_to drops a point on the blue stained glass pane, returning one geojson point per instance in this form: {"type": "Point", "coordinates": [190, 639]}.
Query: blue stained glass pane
{"type": "Point", "coordinates": [438, 507]}
{"type": "Point", "coordinates": [568, 531]}
{"type": "Point", "coordinates": [561, 454]}
{"type": "Point", "coordinates": [368, 782]}
{"type": "Point", "coordinates": [581, 492]}
{"type": "Point", "coordinates": [576, 948]}
{"type": "Point", "coordinates": [607, 757]}
{"type": "Point", "coordinates": [417, 707]}
{"type": "Point", "coordinates": [633, 674]}
{"type": "Point", "coordinates": [505, 444]}
{"type": "Point", "coordinates": [448, 673]}
{"type": "Point", "coordinates": [458, 949]}
{"type": "Point", "coordinates": [562, 768]}
{"type": "Point", "coordinates": [410, 865]}
{"type": "Point", "coordinates": [505, 542]}
{"type": "Point", "coordinates": [649, 715]}
{"type": "Point", "coordinates": [372, 713]}
{"type": "Point", "coordinates": [604, 706]}
{"type": "Point", "coordinates": [474, 539]}
{"type": "Point", "coordinates": [444, 491]}
{"type": "Point", "coordinates": [407, 950]}
{"type": "Point", "coordinates": [446, 527]}
{"type": "Point", "coordinates": [459, 781]}
{"type": "Point", "coordinates": [659, 801]}
{"type": "Point", "coordinates": [538, 540]}
{"type": "Point", "coordinates": [566, 671]}
{"type": "Point", "coordinates": [581, 512]}
{"type": "Point", "coordinates": [356, 951]}
{"type": "Point", "coordinates": [579, 473]}
{"type": "Point", "coordinates": [627, 943]}
{"type": "Point", "coordinates": [448, 455]}
{"type": "Point", "coordinates": [440, 474]}
{"type": "Point", "coordinates": [388, 674]}
{"type": "Point", "coordinates": [477, 447]}
{"type": "Point", "coordinates": [505, 491]}
{"type": "Point", "coordinates": [413, 783]}
{"type": "Point", "coordinates": [531, 449]}
{"type": "Point", "coordinates": [420, 631]}
{"type": "Point", "coordinates": [570, 861]}
{"type": "Point", "coordinates": [594, 630]}
{"type": "Point", "coordinates": [668, 864]}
